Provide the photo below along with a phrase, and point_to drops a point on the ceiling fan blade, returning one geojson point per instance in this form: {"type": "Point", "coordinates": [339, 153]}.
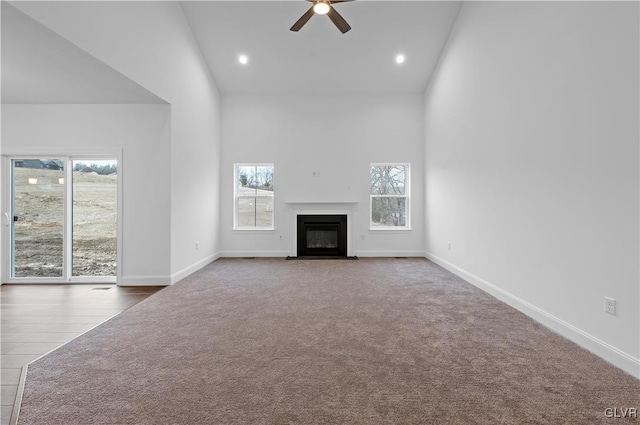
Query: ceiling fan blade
{"type": "Point", "coordinates": [340, 1]}
{"type": "Point", "coordinates": [338, 20]}
{"type": "Point", "coordinates": [303, 20]}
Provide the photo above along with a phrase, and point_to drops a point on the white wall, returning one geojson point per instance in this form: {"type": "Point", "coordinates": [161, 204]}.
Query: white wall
{"type": "Point", "coordinates": [142, 132]}
{"type": "Point", "coordinates": [335, 136]}
{"type": "Point", "coordinates": [152, 44]}
{"type": "Point", "coordinates": [531, 134]}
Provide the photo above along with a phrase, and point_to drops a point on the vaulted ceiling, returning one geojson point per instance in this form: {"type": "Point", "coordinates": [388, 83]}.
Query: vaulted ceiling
{"type": "Point", "coordinates": [39, 66]}
{"type": "Point", "coordinates": [317, 59]}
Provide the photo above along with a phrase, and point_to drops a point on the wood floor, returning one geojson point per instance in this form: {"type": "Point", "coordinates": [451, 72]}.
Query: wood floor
{"type": "Point", "coordinates": [37, 319]}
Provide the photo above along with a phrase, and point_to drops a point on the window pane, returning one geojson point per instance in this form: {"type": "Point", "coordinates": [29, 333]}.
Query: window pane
{"type": "Point", "coordinates": [264, 212]}
{"type": "Point", "coordinates": [388, 211]}
{"type": "Point", "coordinates": [264, 180]}
{"type": "Point", "coordinates": [388, 180]}
{"type": "Point", "coordinates": [246, 180]}
{"type": "Point", "coordinates": [95, 211]}
{"type": "Point", "coordinates": [38, 208]}
{"type": "Point", "coordinates": [246, 210]}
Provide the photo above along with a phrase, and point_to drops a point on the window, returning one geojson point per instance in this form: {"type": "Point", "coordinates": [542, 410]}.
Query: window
{"type": "Point", "coordinates": [389, 193]}
{"type": "Point", "coordinates": [253, 206]}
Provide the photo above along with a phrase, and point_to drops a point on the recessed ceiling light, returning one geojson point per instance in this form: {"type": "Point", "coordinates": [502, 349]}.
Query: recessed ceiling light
{"type": "Point", "coordinates": [400, 59]}
{"type": "Point", "coordinates": [243, 59]}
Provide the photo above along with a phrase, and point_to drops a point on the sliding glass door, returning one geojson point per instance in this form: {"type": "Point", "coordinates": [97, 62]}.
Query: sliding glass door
{"type": "Point", "coordinates": [63, 221]}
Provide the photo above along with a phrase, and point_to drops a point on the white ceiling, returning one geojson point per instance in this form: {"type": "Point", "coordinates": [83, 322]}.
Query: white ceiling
{"type": "Point", "coordinates": [318, 58]}
{"type": "Point", "coordinates": [39, 66]}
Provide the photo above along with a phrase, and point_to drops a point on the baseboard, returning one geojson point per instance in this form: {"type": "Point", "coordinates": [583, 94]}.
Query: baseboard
{"type": "Point", "coordinates": [389, 253]}
{"type": "Point", "coordinates": [145, 281]}
{"type": "Point", "coordinates": [278, 254]}
{"type": "Point", "coordinates": [598, 347]}
{"type": "Point", "coordinates": [176, 277]}
{"type": "Point", "coordinates": [244, 254]}
{"type": "Point", "coordinates": [166, 280]}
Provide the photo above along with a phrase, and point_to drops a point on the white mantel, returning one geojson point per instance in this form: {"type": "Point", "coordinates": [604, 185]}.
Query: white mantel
{"type": "Point", "coordinates": [319, 208]}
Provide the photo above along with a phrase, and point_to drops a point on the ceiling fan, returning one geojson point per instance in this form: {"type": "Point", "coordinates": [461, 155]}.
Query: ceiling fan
{"type": "Point", "coordinates": [323, 7]}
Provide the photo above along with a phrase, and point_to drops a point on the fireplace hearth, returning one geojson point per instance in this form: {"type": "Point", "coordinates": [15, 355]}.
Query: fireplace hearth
{"type": "Point", "coordinates": [322, 236]}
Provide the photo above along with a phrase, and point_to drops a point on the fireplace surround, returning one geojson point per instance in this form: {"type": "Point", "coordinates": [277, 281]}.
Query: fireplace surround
{"type": "Point", "coordinates": [322, 235]}
{"type": "Point", "coordinates": [323, 208]}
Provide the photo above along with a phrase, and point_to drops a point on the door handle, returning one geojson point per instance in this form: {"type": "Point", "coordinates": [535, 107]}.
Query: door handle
{"type": "Point", "coordinates": [6, 219]}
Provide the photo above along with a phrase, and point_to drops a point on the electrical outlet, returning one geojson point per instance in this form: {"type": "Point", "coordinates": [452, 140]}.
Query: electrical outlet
{"type": "Point", "coordinates": [197, 245]}
{"type": "Point", "coordinates": [610, 305]}
{"type": "Point", "coordinates": [449, 246]}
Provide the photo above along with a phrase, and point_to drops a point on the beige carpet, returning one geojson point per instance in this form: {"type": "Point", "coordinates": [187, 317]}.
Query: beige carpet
{"type": "Point", "coordinates": [374, 341]}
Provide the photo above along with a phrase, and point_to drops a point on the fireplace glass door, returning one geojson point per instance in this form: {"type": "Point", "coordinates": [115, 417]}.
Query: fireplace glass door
{"type": "Point", "coordinates": [325, 237]}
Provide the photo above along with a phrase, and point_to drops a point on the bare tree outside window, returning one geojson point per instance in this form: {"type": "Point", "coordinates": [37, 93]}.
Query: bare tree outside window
{"type": "Point", "coordinates": [389, 190]}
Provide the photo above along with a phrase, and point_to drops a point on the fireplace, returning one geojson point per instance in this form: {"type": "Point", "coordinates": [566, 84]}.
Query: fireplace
{"type": "Point", "coordinates": [322, 235]}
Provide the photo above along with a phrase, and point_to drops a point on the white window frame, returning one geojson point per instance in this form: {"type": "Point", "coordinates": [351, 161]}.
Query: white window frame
{"type": "Point", "coordinates": [236, 196]}
{"type": "Point", "coordinates": [407, 196]}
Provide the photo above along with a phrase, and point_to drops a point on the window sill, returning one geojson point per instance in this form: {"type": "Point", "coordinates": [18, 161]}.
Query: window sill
{"type": "Point", "coordinates": [390, 229]}
{"type": "Point", "coordinates": [253, 229]}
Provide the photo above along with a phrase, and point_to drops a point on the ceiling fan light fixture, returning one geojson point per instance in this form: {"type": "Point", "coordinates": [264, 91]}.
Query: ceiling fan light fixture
{"type": "Point", "coordinates": [321, 7]}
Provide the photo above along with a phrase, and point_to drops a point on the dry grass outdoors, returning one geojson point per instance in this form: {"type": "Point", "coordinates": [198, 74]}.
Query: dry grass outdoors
{"type": "Point", "coordinates": [255, 207]}
{"type": "Point", "coordinates": [39, 229]}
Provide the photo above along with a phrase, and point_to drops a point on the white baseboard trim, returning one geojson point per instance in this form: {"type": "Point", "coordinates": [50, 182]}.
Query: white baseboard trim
{"type": "Point", "coordinates": [166, 280]}
{"type": "Point", "coordinates": [177, 277]}
{"type": "Point", "coordinates": [389, 253]}
{"type": "Point", "coordinates": [618, 358]}
{"type": "Point", "coordinates": [145, 281]}
{"type": "Point", "coordinates": [266, 254]}
{"type": "Point", "coordinates": [279, 254]}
